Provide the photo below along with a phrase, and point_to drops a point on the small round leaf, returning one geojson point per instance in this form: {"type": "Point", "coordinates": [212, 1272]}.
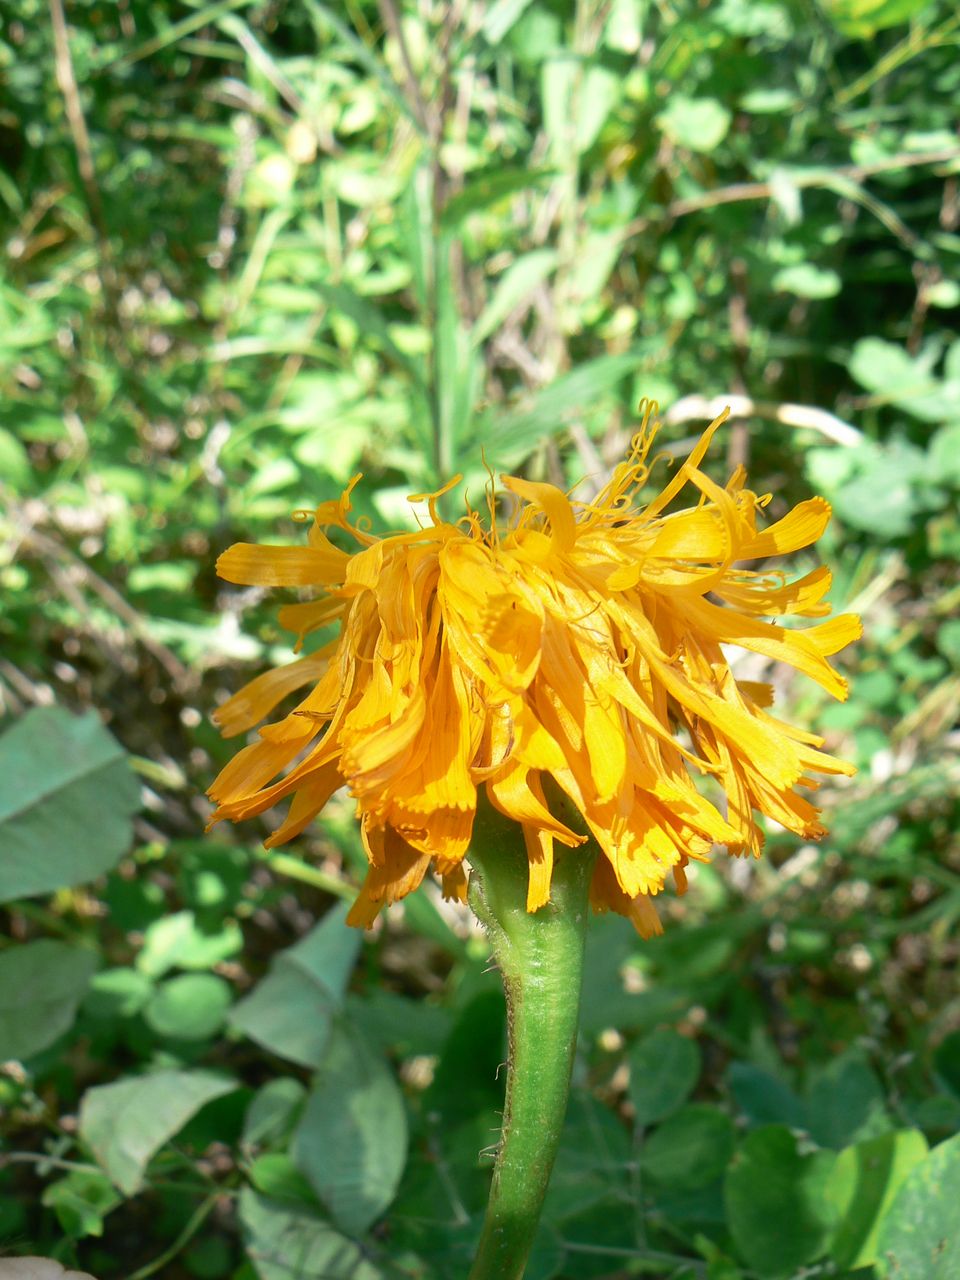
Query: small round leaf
{"type": "Point", "coordinates": [190, 1007]}
{"type": "Point", "coordinates": [664, 1068]}
{"type": "Point", "coordinates": [691, 1148]}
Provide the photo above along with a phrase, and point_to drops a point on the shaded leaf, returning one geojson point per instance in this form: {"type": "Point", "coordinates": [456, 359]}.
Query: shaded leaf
{"type": "Point", "coordinates": [41, 986]}
{"type": "Point", "coordinates": [351, 1142]}
{"type": "Point", "coordinates": [664, 1068]}
{"type": "Point", "coordinates": [691, 1148]}
{"type": "Point", "coordinates": [846, 1102]}
{"type": "Point", "coordinates": [777, 1209]}
{"type": "Point", "coordinates": [275, 1175]}
{"type": "Point", "coordinates": [289, 1012]}
{"type": "Point", "coordinates": [489, 189]}
{"type": "Point", "coordinates": [273, 1112]}
{"type": "Point", "coordinates": [291, 1243]}
{"type": "Point", "coordinates": [67, 795]}
{"type": "Point", "coordinates": [764, 1099]}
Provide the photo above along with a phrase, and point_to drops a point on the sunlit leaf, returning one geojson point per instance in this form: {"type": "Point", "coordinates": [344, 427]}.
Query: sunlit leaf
{"type": "Point", "coordinates": [126, 1123]}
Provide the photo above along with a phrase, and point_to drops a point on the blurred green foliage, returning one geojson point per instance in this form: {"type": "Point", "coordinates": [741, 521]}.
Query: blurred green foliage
{"type": "Point", "coordinates": [251, 248]}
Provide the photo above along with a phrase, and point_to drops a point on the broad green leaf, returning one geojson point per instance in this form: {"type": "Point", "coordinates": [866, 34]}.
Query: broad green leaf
{"type": "Point", "coordinates": [127, 1123]}
{"type": "Point", "coordinates": [885, 367]}
{"type": "Point", "coordinates": [179, 941]}
{"type": "Point", "coordinates": [289, 1012]}
{"type": "Point", "coordinates": [664, 1068]}
{"type": "Point", "coordinates": [761, 102]}
{"type": "Point", "coordinates": [918, 1236]}
{"type": "Point", "coordinates": [537, 34]}
{"type": "Point", "coordinates": [275, 1175]}
{"type": "Point", "coordinates": [351, 1142]}
{"type": "Point", "coordinates": [592, 1144]}
{"type": "Point", "coordinates": [578, 96]}
{"type": "Point", "coordinates": [514, 287]}
{"type": "Point", "coordinates": [864, 18]}
{"type": "Point", "coordinates": [286, 1242]}
{"type": "Point", "coordinates": [624, 28]}
{"type": "Point", "coordinates": [192, 1006]}
{"type": "Point", "coordinates": [362, 182]}
{"type": "Point", "coordinates": [465, 1081]}
{"type": "Point", "coordinates": [846, 1103]}
{"type": "Point", "coordinates": [557, 79]}
{"type": "Point", "coordinates": [945, 294]}
{"type": "Point", "coordinates": [910, 382]}
{"type": "Point", "coordinates": [875, 488]}
{"type": "Point", "coordinates": [777, 1209]}
{"type": "Point", "coordinates": [327, 16]}
{"type": "Point", "coordinates": [368, 317]}
{"type": "Point", "coordinates": [763, 1098]}
{"type": "Point", "coordinates": [278, 474]}
{"type": "Point", "coordinates": [863, 1183]}
{"type": "Point", "coordinates": [14, 461]}
{"type": "Point", "coordinates": [117, 993]}
{"type": "Point", "coordinates": [67, 795]}
{"type": "Point", "coordinates": [176, 576]}
{"type": "Point", "coordinates": [399, 1024]}
{"type": "Point", "coordinates": [754, 18]}
{"type": "Point", "coordinates": [596, 259]}
{"type": "Point", "coordinates": [547, 1255]}
{"type": "Point", "coordinates": [807, 280]}
{"type": "Point", "coordinates": [597, 95]}
{"type": "Point", "coordinates": [489, 189]}
{"type": "Point", "coordinates": [691, 1148]}
{"type": "Point", "coordinates": [41, 985]}
{"type": "Point", "coordinates": [273, 1112]}
{"type": "Point", "coordinates": [500, 17]}
{"type": "Point", "coordinates": [699, 124]}
{"type": "Point", "coordinates": [944, 455]}
{"type": "Point", "coordinates": [510, 436]}
{"type": "Point", "coordinates": [81, 1201]}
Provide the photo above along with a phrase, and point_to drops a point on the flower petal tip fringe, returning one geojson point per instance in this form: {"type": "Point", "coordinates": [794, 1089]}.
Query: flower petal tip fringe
{"type": "Point", "coordinates": [578, 640]}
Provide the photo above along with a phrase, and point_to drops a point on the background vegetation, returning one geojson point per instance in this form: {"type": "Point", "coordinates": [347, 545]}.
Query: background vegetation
{"type": "Point", "coordinates": [250, 248]}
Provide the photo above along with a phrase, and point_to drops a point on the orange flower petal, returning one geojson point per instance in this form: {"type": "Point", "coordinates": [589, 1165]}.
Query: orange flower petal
{"type": "Point", "coordinates": [583, 643]}
{"type": "Point", "coordinates": [256, 566]}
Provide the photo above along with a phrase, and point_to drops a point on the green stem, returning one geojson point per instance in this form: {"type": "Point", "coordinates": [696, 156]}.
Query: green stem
{"type": "Point", "coordinates": [540, 956]}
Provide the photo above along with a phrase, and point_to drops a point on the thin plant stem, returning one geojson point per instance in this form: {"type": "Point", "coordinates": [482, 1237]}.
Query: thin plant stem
{"type": "Point", "coordinates": [194, 1224]}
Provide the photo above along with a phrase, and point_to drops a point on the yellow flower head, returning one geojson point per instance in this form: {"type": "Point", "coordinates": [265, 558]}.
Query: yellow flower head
{"type": "Point", "coordinates": [583, 642]}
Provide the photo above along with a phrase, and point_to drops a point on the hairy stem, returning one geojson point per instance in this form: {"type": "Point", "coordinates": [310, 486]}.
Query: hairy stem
{"type": "Point", "coordinates": [540, 956]}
